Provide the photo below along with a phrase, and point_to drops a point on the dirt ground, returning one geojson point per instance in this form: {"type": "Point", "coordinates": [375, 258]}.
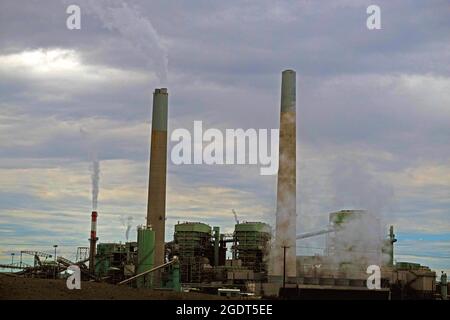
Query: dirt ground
{"type": "Point", "coordinates": [18, 288]}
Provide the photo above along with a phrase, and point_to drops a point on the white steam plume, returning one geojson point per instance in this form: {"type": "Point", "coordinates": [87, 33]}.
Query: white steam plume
{"type": "Point", "coordinates": [355, 186]}
{"type": "Point", "coordinates": [362, 238]}
{"type": "Point", "coordinates": [116, 15]}
{"type": "Point", "coordinates": [95, 177]}
{"type": "Point", "coordinates": [95, 169]}
{"type": "Point", "coordinates": [128, 223]}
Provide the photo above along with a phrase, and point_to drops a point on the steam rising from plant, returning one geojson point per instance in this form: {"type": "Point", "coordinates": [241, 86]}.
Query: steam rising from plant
{"type": "Point", "coordinates": [361, 239]}
{"type": "Point", "coordinates": [95, 167]}
{"type": "Point", "coordinates": [95, 177]}
{"type": "Point", "coordinates": [128, 223]}
{"type": "Point", "coordinates": [117, 15]}
{"type": "Point", "coordinates": [355, 186]}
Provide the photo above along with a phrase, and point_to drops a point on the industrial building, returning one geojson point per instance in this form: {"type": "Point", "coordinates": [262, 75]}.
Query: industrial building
{"type": "Point", "coordinates": [252, 260]}
{"type": "Point", "coordinates": [199, 259]}
{"type": "Point", "coordinates": [195, 246]}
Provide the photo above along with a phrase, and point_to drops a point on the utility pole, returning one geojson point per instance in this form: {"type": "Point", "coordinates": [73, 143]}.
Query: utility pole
{"type": "Point", "coordinates": [12, 260]}
{"type": "Point", "coordinates": [54, 270]}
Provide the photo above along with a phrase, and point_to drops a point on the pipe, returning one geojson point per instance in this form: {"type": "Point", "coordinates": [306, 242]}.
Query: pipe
{"type": "Point", "coordinates": [392, 240]}
{"type": "Point", "coordinates": [93, 241]}
{"type": "Point", "coordinates": [149, 271]}
{"type": "Point", "coordinates": [216, 245]}
{"type": "Point", "coordinates": [314, 233]}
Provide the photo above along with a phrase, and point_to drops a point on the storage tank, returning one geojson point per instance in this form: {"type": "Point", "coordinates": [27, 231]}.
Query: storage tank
{"type": "Point", "coordinates": [146, 255]}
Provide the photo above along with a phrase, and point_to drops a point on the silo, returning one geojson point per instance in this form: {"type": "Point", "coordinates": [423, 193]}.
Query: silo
{"type": "Point", "coordinates": [146, 255]}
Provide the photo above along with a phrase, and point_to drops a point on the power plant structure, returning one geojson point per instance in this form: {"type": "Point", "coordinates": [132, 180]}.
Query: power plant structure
{"type": "Point", "coordinates": [156, 210]}
{"type": "Point", "coordinates": [93, 241]}
{"type": "Point", "coordinates": [195, 247]}
{"type": "Point", "coordinates": [202, 252]}
{"type": "Point", "coordinates": [284, 248]}
{"type": "Point", "coordinates": [249, 260]}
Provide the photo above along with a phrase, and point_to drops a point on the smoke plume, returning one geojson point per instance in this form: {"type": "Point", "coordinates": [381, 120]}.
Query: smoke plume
{"type": "Point", "coordinates": [116, 15]}
{"type": "Point", "coordinates": [362, 237]}
{"type": "Point", "coordinates": [355, 186]}
{"type": "Point", "coordinates": [95, 166]}
{"type": "Point", "coordinates": [95, 177]}
{"type": "Point", "coordinates": [286, 199]}
{"type": "Point", "coordinates": [128, 223]}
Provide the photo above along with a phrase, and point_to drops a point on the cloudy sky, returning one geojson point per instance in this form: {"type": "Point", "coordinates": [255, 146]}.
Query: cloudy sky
{"type": "Point", "coordinates": [373, 115]}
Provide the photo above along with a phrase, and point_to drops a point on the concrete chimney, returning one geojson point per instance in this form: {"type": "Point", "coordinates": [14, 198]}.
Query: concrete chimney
{"type": "Point", "coordinates": [286, 216]}
{"type": "Point", "coordinates": [156, 206]}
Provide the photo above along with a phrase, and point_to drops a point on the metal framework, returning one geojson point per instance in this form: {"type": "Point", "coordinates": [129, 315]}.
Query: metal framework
{"type": "Point", "coordinates": [82, 253]}
{"type": "Point", "coordinates": [195, 249]}
{"type": "Point", "coordinates": [252, 240]}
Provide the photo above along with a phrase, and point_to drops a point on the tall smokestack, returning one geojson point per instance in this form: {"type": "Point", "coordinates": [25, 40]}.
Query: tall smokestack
{"type": "Point", "coordinates": [93, 241]}
{"type": "Point", "coordinates": [286, 189]}
{"type": "Point", "coordinates": [156, 210]}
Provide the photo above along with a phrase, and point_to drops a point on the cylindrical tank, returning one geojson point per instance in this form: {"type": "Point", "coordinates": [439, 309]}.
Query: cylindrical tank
{"type": "Point", "coordinates": [146, 255]}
